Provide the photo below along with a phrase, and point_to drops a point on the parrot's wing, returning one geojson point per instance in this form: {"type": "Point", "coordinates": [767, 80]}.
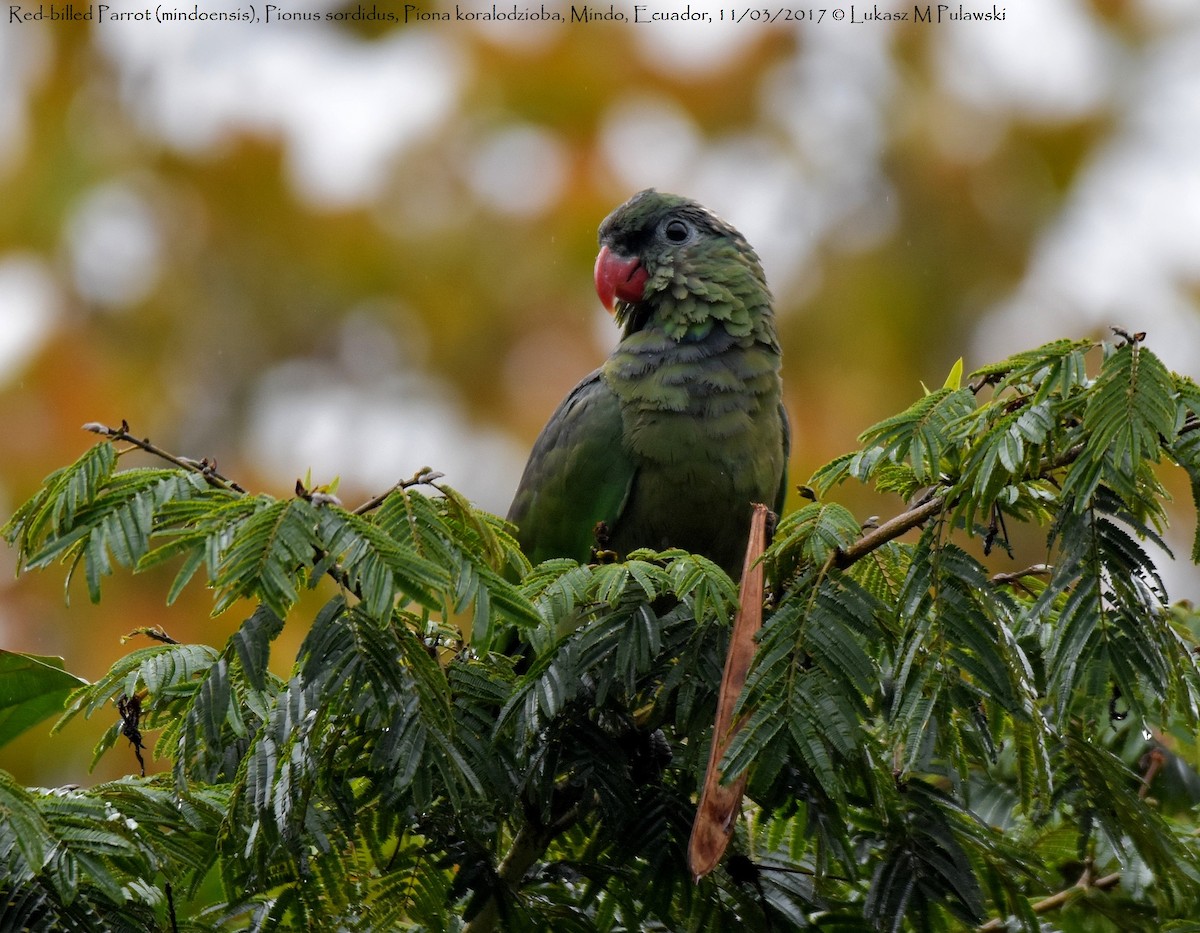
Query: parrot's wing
{"type": "Point", "coordinates": [579, 473]}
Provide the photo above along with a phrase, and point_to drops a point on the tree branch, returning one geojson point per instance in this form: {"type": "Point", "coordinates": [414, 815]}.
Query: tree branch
{"type": "Point", "coordinates": [424, 476]}
{"type": "Point", "coordinates": [205, 467]}
{"type": "Point", "coordinates": [208, 468]}
{"type": "Point", "coordinates": [892, 528]}
{"type": "Point", "coordinates": [1037, 570]}
{"type": "Point", "coordinates": [1018, 577]}
{"type": "Point", "coordinates": [1061, 898]}
{"type": "Point", "coordinates": [1154, 761]}
{"type": "Point", "coordinates": [527, 847]}
{"type": "Point", "coordinates": [939, 499]}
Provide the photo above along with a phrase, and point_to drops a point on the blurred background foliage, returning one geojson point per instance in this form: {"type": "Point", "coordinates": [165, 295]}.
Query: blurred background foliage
{"type": "Point", "coordinates": [346, 250]}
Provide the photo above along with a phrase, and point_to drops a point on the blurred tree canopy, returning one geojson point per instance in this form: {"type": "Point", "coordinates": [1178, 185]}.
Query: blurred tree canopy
{"type": "Point", "coordinates": [361, 249]}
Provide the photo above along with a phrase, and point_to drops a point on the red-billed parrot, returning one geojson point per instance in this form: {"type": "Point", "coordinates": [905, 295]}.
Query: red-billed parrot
{"type": "Point", "coordinates": [683, 428]}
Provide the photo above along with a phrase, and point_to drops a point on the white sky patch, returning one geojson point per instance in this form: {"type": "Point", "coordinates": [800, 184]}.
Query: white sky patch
{"type": "Point", "coordinates": [345, 107]}
{"type": "Point", "coordinates": [307, 414]}
{"type": "Point", "coordinates": [649, 142]}
{"type": "Point", "coordinates": [526, 35]}
{"type": "Point", "coordinates": [690, 48]}
{"type": "Point", "coordinates": [1166, 12]}
{"type": "Point", "coordinates": [25, 56]}
{"type": "Point", "coordinates": [1123, 249]}
{"type": "Point", "coordinates": [814, 174]}
{"type": "Point", "coordinates": [518, 170]}
{"type": "Point", "coordinates": [1051, 63]}
{"type": "Point", "coordinates": [824, 182]}
{"type": "Point", "coordinates": [30, 305]}
{"type": "Point", "coordinates": [115, 246]}
{"type": "Point", "coordinates": [373, 414]}
{"type": "Point", "coordinates": [832, 99]}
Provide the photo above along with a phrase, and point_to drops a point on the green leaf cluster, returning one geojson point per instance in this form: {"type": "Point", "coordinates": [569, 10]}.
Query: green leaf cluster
{"type": "Point", "coordinates": [980, 711]}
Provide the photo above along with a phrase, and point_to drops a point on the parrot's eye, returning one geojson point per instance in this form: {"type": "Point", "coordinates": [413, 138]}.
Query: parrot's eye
{"type": "Point", "coordinates": [677, 231]}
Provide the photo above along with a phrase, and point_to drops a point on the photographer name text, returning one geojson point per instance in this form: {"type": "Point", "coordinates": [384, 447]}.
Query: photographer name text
{"type": "Point", "coordinates": [411, 13]}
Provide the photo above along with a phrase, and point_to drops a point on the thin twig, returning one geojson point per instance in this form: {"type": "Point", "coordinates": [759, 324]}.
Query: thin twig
{"type": "Point", "coordinates": [150, 631]}
{"type": "Point", "coordinates": [1154, 759]}
{"type": "Point", "coordinates": [171, 908]}
{"type": "Point", "coordinates": [1018, 577]}
{"type": "Point", "coordinates": [1066, 458]}
{"type": "Point", "coordinates": [423, 476]}
{"type": "Point", "coordinates": [206, 468]}
{"type": "Point", "coordinates": [984, 381]}
{"type": "Point", "coordinates": [937, 502]}
{"type": "Point", "coordinates": [1061, 898]}
{"type": "Point", "coordinates": [1129, 338]}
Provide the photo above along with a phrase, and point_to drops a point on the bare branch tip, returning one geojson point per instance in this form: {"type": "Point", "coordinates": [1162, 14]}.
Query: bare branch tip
{"type": "Point", "coordinates": [1133, 339]}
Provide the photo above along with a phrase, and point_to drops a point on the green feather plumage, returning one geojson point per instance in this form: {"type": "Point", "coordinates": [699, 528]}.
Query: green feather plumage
{"type": "Point", "coordinates": [682, 429]}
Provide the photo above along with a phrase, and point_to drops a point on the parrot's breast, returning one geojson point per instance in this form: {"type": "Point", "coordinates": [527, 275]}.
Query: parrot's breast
{"type": "Point", "coordinates": [703, 424]}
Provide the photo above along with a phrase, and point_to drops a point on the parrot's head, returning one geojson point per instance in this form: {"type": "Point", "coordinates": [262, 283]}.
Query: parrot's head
{"type": "Point", "coordinates": [667, 258]}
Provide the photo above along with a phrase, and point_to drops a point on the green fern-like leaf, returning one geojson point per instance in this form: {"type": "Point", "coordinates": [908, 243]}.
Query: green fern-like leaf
{"type": "Point", "coordinates": [812, 535]}
{"type": "Point", "coordinates": [268, 555]}
{"type": "Point", "coordinates": [1130, 411]}
{"type": "Point", "coordinates": [63, 493]}
{"type": "Point", "coordinates": [376, 567]}
{"type": "Point", "coordinates": [919, 434]}
{"type": "Point", "coordinates": [160, 673]}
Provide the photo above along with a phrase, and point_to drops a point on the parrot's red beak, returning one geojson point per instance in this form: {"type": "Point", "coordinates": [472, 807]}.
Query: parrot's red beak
{"type": "Point", "coordinates": [618, 278]}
